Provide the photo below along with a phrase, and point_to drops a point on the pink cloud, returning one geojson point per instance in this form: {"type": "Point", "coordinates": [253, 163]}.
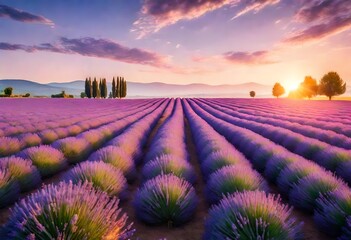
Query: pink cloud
{"type": "Point", "coordinates": [249, 58]}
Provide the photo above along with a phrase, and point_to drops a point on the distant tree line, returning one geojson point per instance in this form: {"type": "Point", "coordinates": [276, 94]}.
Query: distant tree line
{"type": "Point", "coordinates": [62, 95]}
{"type": "Point", "coordinates": [8, 92]}
{"type": "Point", "coordinates": [98, 89]}
{"type": "Point", "coordinates": [330, 85]}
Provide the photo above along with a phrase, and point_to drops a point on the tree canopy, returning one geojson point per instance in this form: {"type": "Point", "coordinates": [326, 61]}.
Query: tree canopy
{"type": "Point", "coordinates": [331, 85]}
{"type": "Point", "coordinates": [278, 90]}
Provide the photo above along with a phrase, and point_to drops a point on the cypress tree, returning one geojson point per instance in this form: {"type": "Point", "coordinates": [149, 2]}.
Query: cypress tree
{"type": "Point", "coordinates": [104, 86]}
{"type": "Point", "coordinates": [118, 87]}
{"type": "Point", "coordinates": [113, 88]}
{"type": "Point", "coordinates": [98, 93]}
{"type": "Point", "coordinates": [125, 89]}
{"type": "Point", "coordinates": [90, 88]}
{"type": "Point", "coordinates": [86, 89]}
{"type": "Point", "coordinates": [121, 88]}
{"type": "Point", "coordinates": [95, 88]}
{"type": "Point", "coordinates": [101, 88]}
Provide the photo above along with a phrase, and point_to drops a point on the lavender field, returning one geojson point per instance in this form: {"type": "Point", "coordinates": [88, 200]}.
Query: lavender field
{"type": "Point", "coordinates": [175, 169]}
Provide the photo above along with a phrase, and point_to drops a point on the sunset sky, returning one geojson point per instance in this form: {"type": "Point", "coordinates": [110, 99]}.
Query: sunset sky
{"type": "Point", "coordinates": [175, 41]}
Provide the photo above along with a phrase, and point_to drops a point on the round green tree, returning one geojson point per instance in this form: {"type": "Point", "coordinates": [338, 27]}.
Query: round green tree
{"type": "Point", "coordinates": [332, 85]}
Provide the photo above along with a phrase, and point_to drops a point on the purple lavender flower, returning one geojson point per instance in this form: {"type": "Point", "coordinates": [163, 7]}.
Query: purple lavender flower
{"type": "Point", "coordinates": [231, 179]}
{"type": "Point", "coordinates": [74, 149]}
{"type": "Point", "coordinates": [48, 136]}
{"type": "Point", "coordinates": [67, 211]}
{"type": "Point", "coordinates": [9, 146]}
{"type": "Point", "coordinates": [307, 190]}
{"type": "Point", "coordinates": [332, 211]}
{"type": "Point", "coordinates": [166, 164]}
{"type": "Point", "coordinates": [48, 160]}
{"type": "Point", "coordinates": [30, 140]}
{"type": "Point", "coordinates": [165, 199]}
{"type": "Point", "coordinates": [117, 158]}
{"type": "Point", "coordinates": [9, 188]}
{"type": "Point", "coordinates": [104, 177]}
{"type": "Point", "coordinates": [251, 215]}
{"type": "Point", "coordinates": [23, 171]}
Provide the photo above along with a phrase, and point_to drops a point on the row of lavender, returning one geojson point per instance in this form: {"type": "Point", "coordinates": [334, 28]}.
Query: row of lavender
{"type": "Point", "coordinates": [335, 159]}
{"type": "Point", "coordinates": [91, 182]}
{"type": "Point", "coordinates": [167, 195]}
{"type": "Point", "coordinates": [241, 205]}
{"type": "Point", "coordinates": [25, 170]}
{"type": "Point", "coordinates": [307, 186]}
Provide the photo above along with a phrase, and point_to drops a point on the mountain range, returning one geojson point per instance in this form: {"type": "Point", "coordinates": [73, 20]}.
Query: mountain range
{"type": "Point", "coordinates": [140, 90]}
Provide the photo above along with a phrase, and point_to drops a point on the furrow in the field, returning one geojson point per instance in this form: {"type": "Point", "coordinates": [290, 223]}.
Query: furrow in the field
{"type": "Point", "coordinates": [307, 186]}
{"type": "Point", "coordinates": [332, 158]}
{"type": "Point", "coordinates": [326, 136]}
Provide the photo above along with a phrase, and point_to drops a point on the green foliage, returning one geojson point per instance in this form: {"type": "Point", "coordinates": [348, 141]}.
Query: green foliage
{"type": "Point", "coordinates": [113, 88]}
{"type": "Point", "coordinates": [252, 94]}
{"type": "Point", "coordinates": [8, 91]}
{"type": "Point", "coordinates": [331, 85]}
{"type": "Point", "coordinates": [62, 95]}
{"type": "Point", "coordinates": [83, 95]}
{"type": "Point", "coordinates": [278, 90]}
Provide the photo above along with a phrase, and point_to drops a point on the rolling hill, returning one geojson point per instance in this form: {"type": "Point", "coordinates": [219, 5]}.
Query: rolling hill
{"type": "Point", "coordinates": [155, 89]}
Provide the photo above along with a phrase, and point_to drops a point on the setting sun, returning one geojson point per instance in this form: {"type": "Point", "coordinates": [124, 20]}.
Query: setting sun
{"type": "Point", "coordinates": [291, 86]}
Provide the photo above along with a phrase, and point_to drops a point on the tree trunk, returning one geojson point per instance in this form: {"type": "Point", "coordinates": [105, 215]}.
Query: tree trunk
{"type": "Point", "coordinates": [330, 98]}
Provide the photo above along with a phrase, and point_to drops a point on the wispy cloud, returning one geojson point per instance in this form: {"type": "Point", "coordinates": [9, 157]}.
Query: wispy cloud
{"type": "Point", "coordinates": [101, 48]}
{"type": "Point", "coordinates": [249, 58]}
{"type": "Point", "coordinates": [22, 16]}
{"type": "Point", "coordinates": [157, 14]}
{"type": "Point", "coordinates": [255, 5]}
{"type": "Point", "coordinates": [323, 18]}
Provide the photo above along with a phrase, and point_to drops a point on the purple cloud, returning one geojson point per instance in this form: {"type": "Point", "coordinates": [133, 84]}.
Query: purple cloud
{"type": "Point", "coordinates": [247, 58]}
{"type": "Point", "coordinates": [324, 18]}
{"type": "Point", "coordinates": [22, 16]}
{"type": "Point", "coordinates": [101, 48]}
{"type": "Point", "coordinates": [157, 14]}
{"type": "Point", "coordinates": [319, 31]}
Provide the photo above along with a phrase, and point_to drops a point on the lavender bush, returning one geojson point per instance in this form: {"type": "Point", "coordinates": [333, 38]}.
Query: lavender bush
{"type": "Point", "coordinates": [48, 160]}
{"type": "Point", "coordinates": [251, 215]}
{"type": "Point", "coordinates": [74, 149]}
{"type": "Point", "coordinates": [23, 171]}
{"type": "Point", "coordinates": [165, 199]}
{"type": "Point", "coordinates": [67, 211]}
{"type": "Point", "coordinates": [231, 179]}
{"type": "Point", "coordinates": [9, 146]}
{"type": "Point", "coordinates": [9, 188]}
{"type": "Point", "coordinates": [103, 176]}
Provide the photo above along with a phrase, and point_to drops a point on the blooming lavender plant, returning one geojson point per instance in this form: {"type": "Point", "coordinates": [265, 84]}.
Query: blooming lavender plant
{"type": "Point", "coordinates": [74, 149]}
{"type": "Point", "coordinates": [277, 164]}
{"type": "Point", "coordinates": [30, 140]}
{"type": "Point", "coordinates": [166, 164]}
{"type": "Point", "coordinates": [293, 173]}
{"type": "Point", "coordinates": [48, 160]}
{"type": "Point", "coordinates": [23, 171]}
{"type": "Point", "coordinates": [67, 211]}
{"type": "Point", "coordinates": [48, 136]}
{"type": "Point", "coordinates": [117, 158]}
{"type": "Point", "coordinates": [332, 211]}
{"type": "Point", "coordinates": [9, 188]}
{"type": "Point", "coordinates": [104, 177]}
{"type": "Point", "coordinates": [221, 158]}
{"type": "Point", "coordinates": [231, 179]}
{"type": "Point", "coordinates": [165, 199]}
{"type": "Point", "coordinates": [307, 190]}
{"type": "Point", "coordinates": [9, 146]}
{"type": "Point", "coordinates": [251, 215]}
